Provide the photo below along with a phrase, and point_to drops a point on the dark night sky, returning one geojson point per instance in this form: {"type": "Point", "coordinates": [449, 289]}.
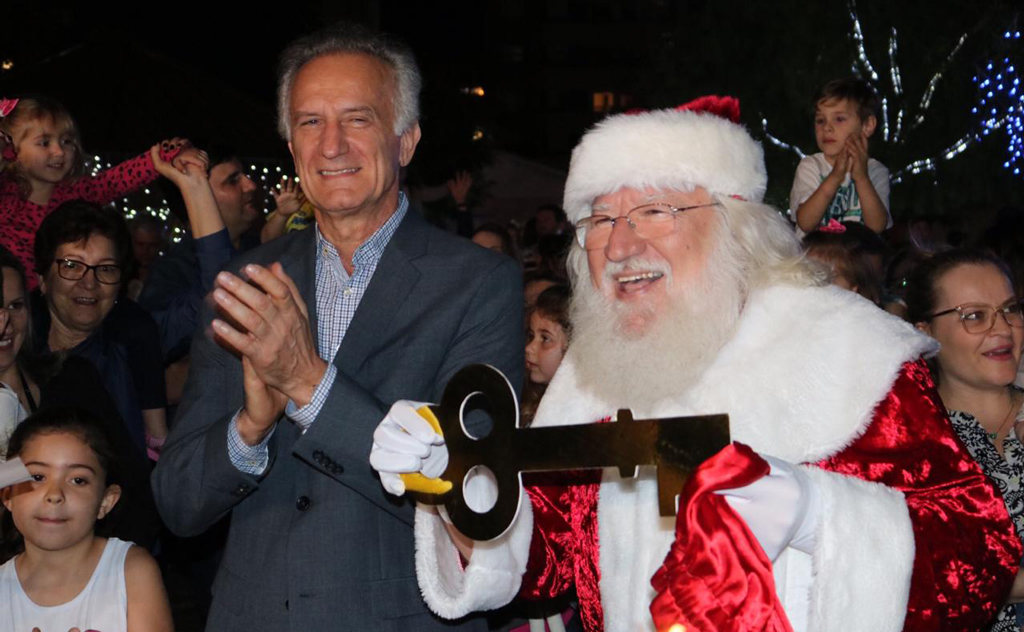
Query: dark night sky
{"type": "Point", "coordinates": [540, 60]}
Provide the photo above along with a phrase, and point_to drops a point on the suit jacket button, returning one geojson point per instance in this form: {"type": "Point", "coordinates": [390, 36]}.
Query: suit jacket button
{"type": "Point", "coordinates": [241, 489]}
{"type": "Point", "coordinates": [302, 504]}
{"type": "Point", "coordinates": [318, 456]}
{"type": "Point", "coordinates": [336, 469]}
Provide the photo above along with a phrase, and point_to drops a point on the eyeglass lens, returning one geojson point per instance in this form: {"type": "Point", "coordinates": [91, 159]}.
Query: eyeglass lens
{"type": "Point", "coordinates": [981, 318]}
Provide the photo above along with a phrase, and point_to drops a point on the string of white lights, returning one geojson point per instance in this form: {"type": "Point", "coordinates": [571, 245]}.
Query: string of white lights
{"type": "Point", "coordinates": [778, 142]}
{"type": "Point", "coordinates": [858, 37]}
{"type": "Point", "coordinates": [147, 202]}
{"type": "Point", "coordinates": [926, 98]}
{"type": "Point", "coordinates": [894, 68]}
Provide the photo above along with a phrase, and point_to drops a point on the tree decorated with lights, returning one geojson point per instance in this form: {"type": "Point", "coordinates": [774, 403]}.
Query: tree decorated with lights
{"type": "Point", "coordinates": [904, 113]}
{"type": "Point", "coordinates": [1001, 99]}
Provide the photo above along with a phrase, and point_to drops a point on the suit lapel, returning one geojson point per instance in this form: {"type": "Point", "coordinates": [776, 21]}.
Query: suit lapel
{"type": "Point", "coordinates": [389, 288]}
{"type": "Point", "coordinates": [299, 261]}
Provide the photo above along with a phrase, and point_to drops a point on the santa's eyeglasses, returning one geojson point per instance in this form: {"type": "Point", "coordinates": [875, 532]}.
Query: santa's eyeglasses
{"type": "Point", "coordinates": [649, 221]}
{"type": "Point", "coordinates": [979, 318]}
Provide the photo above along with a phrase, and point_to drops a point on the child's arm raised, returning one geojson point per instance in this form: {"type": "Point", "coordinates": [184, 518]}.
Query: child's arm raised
{"type": "Point", "coordinates": [872, 207]}
{"type": "Point", "coordinates": [109, 184]}
{"type": "Point", "coordinates": [192, 180]}
{"type": "Point", "coordinates": [811, 210]}
{"type": "Point", "coordinates": [148, 607]}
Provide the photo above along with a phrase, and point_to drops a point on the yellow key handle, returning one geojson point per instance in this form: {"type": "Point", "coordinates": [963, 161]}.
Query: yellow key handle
{"type": "Point", "coordinates": [417, 482]}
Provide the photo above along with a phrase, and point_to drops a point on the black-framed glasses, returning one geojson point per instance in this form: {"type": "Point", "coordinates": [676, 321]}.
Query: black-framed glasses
{"type": "Point", "coordinates": [649, 221]}
{"type": "Point", "coordinates": [73, 270]}
{"type": "Point", "coordinates": [979, 318]}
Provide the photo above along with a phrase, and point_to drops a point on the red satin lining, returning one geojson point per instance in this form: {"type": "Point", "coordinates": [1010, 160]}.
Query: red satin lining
{"type": "Point", "coordinates": [966, 550]}
{"type": "Point", "coordinates": [716, 576]}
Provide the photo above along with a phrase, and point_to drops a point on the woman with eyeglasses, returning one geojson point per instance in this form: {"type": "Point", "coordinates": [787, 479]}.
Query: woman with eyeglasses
{"type": "Point", "coordinates": [40, 382]}
{"type": "Point", "coordinates": [964, 299]}
{"type": "Point", "coordinates": [81, 252]}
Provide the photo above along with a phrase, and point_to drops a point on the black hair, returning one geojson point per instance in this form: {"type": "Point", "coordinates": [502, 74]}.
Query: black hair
{"type": "Point", "coordinates": [850, 89]}
{"type": "Point", "coordinates": [218, 153]}
{"type": "Point", "coordinates": [858, 254]}
{"type": "Point", "coordinates": [39, 367]}
{"type": "Point", "coordinates": [58, 420]}
{"type": "Point", "coordinates": [78, 220]}
{"type": "Point", "coordinates": [553, 304]}
{"type": "Point", "coordinates": [921, 297]}
{"type": "Point", "coordinates": [508, 246]}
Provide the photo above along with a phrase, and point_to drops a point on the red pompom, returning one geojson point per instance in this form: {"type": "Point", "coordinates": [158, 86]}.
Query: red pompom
{"type": "Point", "coordinates": [724, 107]}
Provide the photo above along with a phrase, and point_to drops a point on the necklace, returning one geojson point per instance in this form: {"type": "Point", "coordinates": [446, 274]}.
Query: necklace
{"type": "Point", "coordinates": [1009, 415]}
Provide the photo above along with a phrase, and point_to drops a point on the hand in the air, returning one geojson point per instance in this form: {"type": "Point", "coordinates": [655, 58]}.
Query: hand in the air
{"type": "Point", "coordinates": [288, 196]}
{"type": "Point", "coordinates": [405, 443]}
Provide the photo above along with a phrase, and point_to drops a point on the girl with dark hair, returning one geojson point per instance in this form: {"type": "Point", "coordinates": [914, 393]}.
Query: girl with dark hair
{"type": "Point", "coordinates": [547, 338]}
{"type": "Point", "coordinates": [45, 381]}
{"type": "Point", "coordinates": [63, 575]}
{"type": "Point", "coordinates": [964, 299]}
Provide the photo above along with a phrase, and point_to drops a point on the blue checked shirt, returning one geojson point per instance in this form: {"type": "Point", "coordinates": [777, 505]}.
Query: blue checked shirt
{"type": "Point", "coordinates": [337, 296]}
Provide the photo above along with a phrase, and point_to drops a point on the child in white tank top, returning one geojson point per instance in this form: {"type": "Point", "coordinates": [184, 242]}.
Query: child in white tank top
{"type": "Point", "coordinates": [65, 576]}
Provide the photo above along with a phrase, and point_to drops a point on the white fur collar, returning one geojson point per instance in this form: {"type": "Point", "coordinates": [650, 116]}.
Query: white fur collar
{"type": "Point", "coordinates": [799, 380]}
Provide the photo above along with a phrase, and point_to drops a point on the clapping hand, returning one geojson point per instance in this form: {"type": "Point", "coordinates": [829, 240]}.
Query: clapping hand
{"type": "Point", "coordinates": [273, 336]}
{"type": "Point", "coordinates": [857, 151]}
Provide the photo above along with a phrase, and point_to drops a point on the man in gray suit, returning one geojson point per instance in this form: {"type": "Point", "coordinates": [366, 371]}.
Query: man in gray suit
{"type": "Point", "coordinates": [329, 328]}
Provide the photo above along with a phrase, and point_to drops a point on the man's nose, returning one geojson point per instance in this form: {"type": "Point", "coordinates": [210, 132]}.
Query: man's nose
{"type": "Point", "coordinates": [623, 243]}
{"type": "Point", "coordinates": [334, 141]}
{"type": "Point", "coordinates": [248, 185]}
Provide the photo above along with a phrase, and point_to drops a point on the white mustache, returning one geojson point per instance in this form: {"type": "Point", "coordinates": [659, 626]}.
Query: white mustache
{"type": "Point", "coordinates": [632, 264]}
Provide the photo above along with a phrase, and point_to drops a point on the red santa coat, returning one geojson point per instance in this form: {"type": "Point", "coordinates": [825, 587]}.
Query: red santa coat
{"type": "Point", "coordinates": [912, 536]}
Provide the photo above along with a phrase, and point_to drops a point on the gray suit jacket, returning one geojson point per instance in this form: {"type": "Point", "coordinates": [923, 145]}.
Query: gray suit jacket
{"type": "Point", "coordinates": [315, 543]}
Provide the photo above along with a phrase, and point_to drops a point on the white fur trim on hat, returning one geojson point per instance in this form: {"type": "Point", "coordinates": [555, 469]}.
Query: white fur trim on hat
{"type": "Point", "coordinates": [664, 149]}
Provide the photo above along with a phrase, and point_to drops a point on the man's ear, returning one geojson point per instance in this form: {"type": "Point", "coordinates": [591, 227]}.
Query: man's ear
{"type": "Point", "coordinates": [110, 498]}
{"type": "Point", "coordinates": [869, 126]}
{"type": "Point", "coordinates": [924, 327]}
{"type": "Point", "coordinates": [408, 140]}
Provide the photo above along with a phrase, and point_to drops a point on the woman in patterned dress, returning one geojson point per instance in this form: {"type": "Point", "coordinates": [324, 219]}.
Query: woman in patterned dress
{"type": "Point", "coordinates": [964, 298]}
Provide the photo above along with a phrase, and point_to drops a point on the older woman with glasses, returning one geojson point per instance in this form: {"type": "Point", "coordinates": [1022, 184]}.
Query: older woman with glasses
{"type": "Point", "coordinates": [81, 252]}
{"type": "Point", "coordinates": [964, 298]}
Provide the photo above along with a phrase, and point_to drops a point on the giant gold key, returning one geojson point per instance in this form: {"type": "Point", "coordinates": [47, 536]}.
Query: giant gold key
{"type": "Point", "coordinates": [675, 446]}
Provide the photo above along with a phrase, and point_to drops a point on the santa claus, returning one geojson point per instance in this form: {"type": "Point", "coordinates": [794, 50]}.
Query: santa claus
{"type": "Point", "coordinates": [691, 297]}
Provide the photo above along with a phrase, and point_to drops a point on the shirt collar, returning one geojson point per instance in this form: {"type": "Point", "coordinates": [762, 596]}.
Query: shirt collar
{"type": "Point", "coordinates": [373, 248]}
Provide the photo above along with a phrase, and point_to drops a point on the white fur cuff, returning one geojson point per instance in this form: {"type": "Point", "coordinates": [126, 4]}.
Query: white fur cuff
{"type": "Point", "coordinates": [493, 575]}
{"type": "Point", "coordinates": [864, 556]}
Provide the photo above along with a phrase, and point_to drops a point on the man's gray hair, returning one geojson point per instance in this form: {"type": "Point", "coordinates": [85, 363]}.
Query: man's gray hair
{"type": "Point", "coordinates": [760, 243]}
{"type": "Point", "coordinates": [352, 38]}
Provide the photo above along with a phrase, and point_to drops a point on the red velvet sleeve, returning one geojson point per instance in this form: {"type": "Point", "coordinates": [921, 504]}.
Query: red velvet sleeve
{"type": "Point", "coordinates": [106, 186]}
{"type": "Point", "coordinates": [564, 546]}
{"type": "Point", "coordinates": [966, 550]}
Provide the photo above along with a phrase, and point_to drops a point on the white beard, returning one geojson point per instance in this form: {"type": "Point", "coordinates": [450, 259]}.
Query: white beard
{"type": "Point", "coordinates": [634, 356]}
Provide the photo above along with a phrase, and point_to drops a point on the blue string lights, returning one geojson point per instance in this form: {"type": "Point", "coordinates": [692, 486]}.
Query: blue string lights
{"type": "Point", "coordinates": [1001, 103]}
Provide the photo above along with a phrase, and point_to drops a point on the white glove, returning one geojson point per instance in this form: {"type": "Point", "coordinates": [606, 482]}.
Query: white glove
{"type": "Point", "coordinates": [403, 443]}
{"type": "Point", "coordinates": [781, 509]}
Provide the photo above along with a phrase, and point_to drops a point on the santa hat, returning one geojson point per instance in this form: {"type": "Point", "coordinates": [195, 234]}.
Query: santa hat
{"type": "Point", "coordinates": [680, 148]}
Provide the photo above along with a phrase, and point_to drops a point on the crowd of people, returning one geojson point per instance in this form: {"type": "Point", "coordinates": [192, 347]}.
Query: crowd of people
{"type": "Point", "coordinates": [259, 386]}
